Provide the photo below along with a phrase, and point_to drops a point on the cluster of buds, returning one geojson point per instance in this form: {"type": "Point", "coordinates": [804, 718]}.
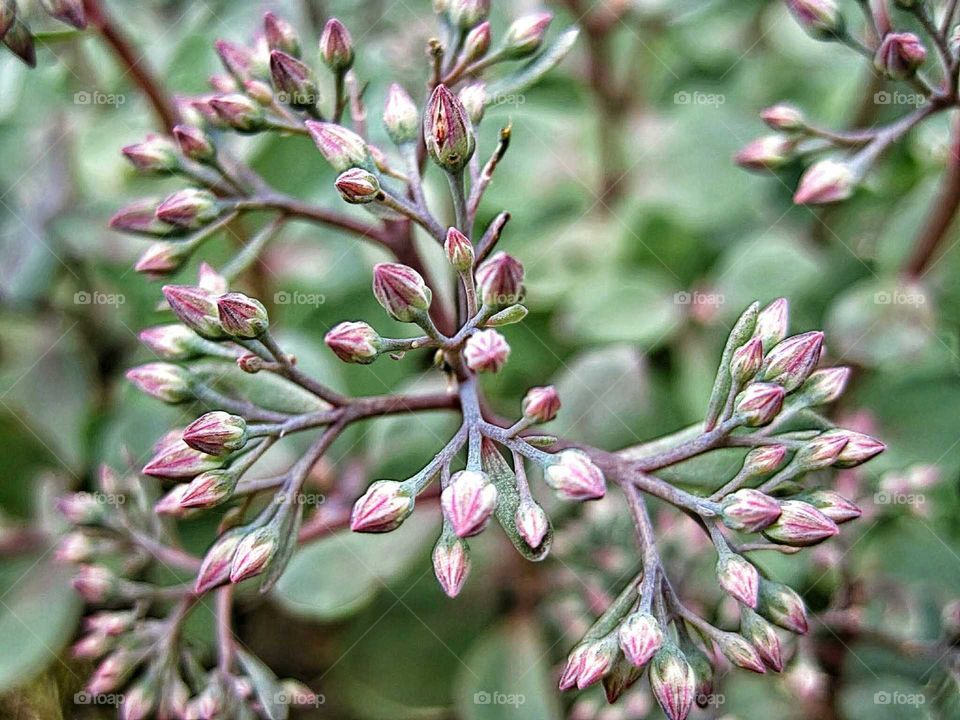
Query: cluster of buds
{"type": "Point", "coordinates": [15, 30]}
{"type": "Point", "coordinates": [898, 56]}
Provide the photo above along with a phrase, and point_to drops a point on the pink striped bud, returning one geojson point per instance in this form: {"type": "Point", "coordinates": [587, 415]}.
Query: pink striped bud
{"type": "Point", "coordinates": [400, 116]}
{"type": "Point", "coordinates": [474, 99]}
{"type": "Point", "coordinates": [196, 308]}
{"type": "Point", "coordinates": [447, 131]}
{"type": "Point", "coordinates": [190, 208]}
{"type": "Point", "coordinates": [254, 551]}
{"type": "Point", "coordinates": [792, 361]}
{"type": "Point", "coordinates": [295, 82]}
{"type": "Point", "coordinates": [194, 143]}
{"type": "Point", "coordinates": [401, 291]}
{"type": "Point", "coordinates": [240, 112]}
{"type": "Point", "coordinates": [464, 14]}
{"type": "Point", "coordinates": [236, 59]}
{"type": "Point", "coordinates": [833, 505]}
{"type": "Point", "coordinates": [824, 386]}
{"type": "Point", "coordinates": [673, 682]}
{"type": "Point", "coordinates": [486, 351]}
{"type": "Point", "coordinates": [770, 152]}
{"type": "Point", "coordinates": [899, 55]}
{"type": "Point", "coordinates": [459, 250]}
{"type": "Point", "coordinates": [763, 637]}
{"type": "Point", "coordinates": [92, 646]}
{"type": "Point", "coordinates": [764, 460]}
{"type": "Point", "coordinates": [800, 524]}
{"type": "Point", "coordinates": [476, 44]}
{"type": "Point", "coordinates": [95, 583]}
{"type": "Point", "coordinates": [68, 11]}
{"type": "Point", "coordinates": [773, 323]}
{"type": "Point", "coordinates": [822, 451]}
{"type": "Point", "coordinates": [451, 564]}
{"type": "Point", "coordinates": [259, 91]}
{"type": "Point", "coordinates": [575, 477]}
{"type": "Point", "coordinates": [641, 637]}
{"type": "Point", "coordinates": [215, 569]}
{"type": "Point", "coordinates": [110, 623]}
{"type": "Point", "coordinates": [179, 460]}
{"type": "Point", "coordinates": [336, 46]}
{"type": "Point", "coordinates": [74, 548]}
{"type": "Point", "coordinates": [170, 342]}
{"type": "Point", "coordinates": [138, 701]}
{"type": "Point", "coordinates": [468, 502]}
{"type": "Point", "coordinates": [280, 35]}
{"type": "Point", "coordinates": [749, 510]}
{"type": "Point", "coordinates": [216, 433]}
{"type": "Point", "coordinates": [784, 117]}
{"type": "Point", "coordinates": [782, 606]}
{"type": "Point", "coordinates": [740, 652]}
{"type": "Point", "coordinates": [826, 181]}
{"type": "Point", "coordinates": [759, 403]}
{"type": "Point", "coordinates": [525, 36]}
{"type": "Point", "coordinates": [541, 404]}
{"type": "Point", "coordinates": [746, 361]}
{"type": "Point", "coordinates": [140, 218]}
{"type": "Point", "coordinates": [358, 186]}
{"type": "Point", "coordinates": [242, 316]}
{"type": "Point", "coordinates": [155, 154]}
{"type": "Point", "coordinates": [500, 280]}
{"type": "Point", "coordinates": [113, 671]}
{"type": "Point", "coordinates": [819, 18]}
{"type": "Point", "coordinates": [858, 449]}
{"type": "Point", "coordinates": [354, 342]}
{"type": "Point", "coordinates": [164, 381]}
{"type": "Point", "coordinates": [739, 578]}
{"type": "Point", "coordinates": [384, 506]}
{"type": "Point", "coordinates": [163, 258]}
{"type": "Point", "coordinates": [532, 523]}
{"type": "Point", "coordinates": [340, 147]}
{"type": "Point", "coordinates": [588, 662]}
{"type": "Point", "coordinates": [209, 489]}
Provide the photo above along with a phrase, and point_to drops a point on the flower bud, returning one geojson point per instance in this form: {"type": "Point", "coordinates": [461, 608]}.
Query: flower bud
{"type": "Point", "coordinates": [824, 182]}
{"type": "Point", "coordinates": [354, 342]}
{"type": "Point", "coordinates": [486, 351]}
{"type": "Point", "coordinates": [792, 361]}
{"type": "Point", "coordinates": [673, 682]}
{"type": "Point", "coordinates": [739, 578]}
{"type": "Point", "coordinates": [210, 280]}
{"type": "Point", "coordinates": [459, 250]}
{"type": "Point", "coordinates": [336, 46]}
{"type": "Point", "coordinates": [500, 280]}
{"type": "Point", "coordinates": [196, 308]}
{"type": "Point", "coordinates": [91, 646]}
{"type": "Point", "coordinates": [358, 186]}
{"type": "Point", "coordinates": [773, 323]}
{"type": "Point", "coordinates": [169, 504]}
{"type": "Point", "coordinates": [451, 564]}
{"type": "Point", "coordinates": [400, 116]}
{"type": "Point", "coordinates": [194, 143]}
{"type": "Point", "coordinates": [95, 583]}
{"type": "Point", "coordinates": [759, 403]}
{"type": "Point", "coordinates": [209, 489]}
{"type": "Point", "coordinates": [189, 208]}
{"type": "Point", "coordinates": [824, 386]}
{"type": "Point", "coordinates": [820, 452]}
{"type": "Point", "coordinates": [113, 671]}
{"type": "Point", "coordinates": [239, 112]}
{"type": "Point", "coordinates": [474, 99]}
{"type": "Point", "coordinates": [80, 508]}
{"type": "Point", "coordinates": [447, 131]}
{"type": "Point", "coordinates": [800, 524]}
{"type": "Point", "coordinates": [509, 316]}
{"type": "Point", "coordinates": [640, 638]}
{"type": "Point", "coordinates": [68, 11]}
{"type": "Point", "coordinates": [236, 59]}
{"type": "Point", "coordinates": [179, 460]}
{"type": "Point", "coordinates": [468, 502]}
{"type": "Point", "coordinates": [294, 81]}
{"type": "Point", "coordinates": [532, 523]}
{"type": "Point", "coordinates": [766, 153]}
{"type": "Point", "coordinates": [476, 44]}
{"type": "Point", "coordinates": [541, 404]}
{"type": "Point", "coordinates": [784, 117]}
{"type": "Point", "coordinates": [253, 552]}
{"type": "Point", "coordinates": [763, 460]}
{"type": "Point", "coordinates": [215, 569]}
{"type": "Point", "coordinates": [163, 258]}
{"type": "Point", "coordinates": [401, 291]}
{"type": "Point", "coordinates": [259, 91]}
{"type": "Point", "coordinates": [832, 504]}
{"type": "Point", "coordinates": [340, 147]}
{"type": "Point", "coordinates": [749, 510]}
{"type": "Point", "coordinates": [763, 637]}
{"type": "Point", "coordinates": [782, 606]}
{"type": "Point", "coordinates": [216, 433]}
{"type": "Point", "coordinates": [466, 13]}
{"type": "Point", "coordinates": [574, 476]}
{"type": "Point", "coordinates": [740, 652]}
{"type": "Point", "coordinates": [525, 36]}
{"type": "Point", "coordinates": [588, 662]}
{"type": "Point", "coordinates": [858, 449]}
{"type": "Point", "coordinates": [224, 84]}
{"type": "Point", "coordinates": [899, 55]}
{"type": "Point", "coordinates": [164, 381]}
{"type": "Point", "coordinates": [250, 363]}
{"type": "Point", "coordinates": [242, 316]}
{"type": "Point", "coordinates": [746, 361]}
{"type": "Point", "coordinates": [110, 623]}
{"type": "Point", "coordinates": [74, 548]}
{"type": "Point", "coordinates": [384, 506]}
{"type": "Point", "coordinates": [281, 35]}
{"type": "Point", "coordinates": [155, 154]}
{"type": "Point", "coordinates": [821, 19]}
{"type": "Point", "coordinates": [139, 701]}
{"type": "Point", "coordinates": [140, 217]}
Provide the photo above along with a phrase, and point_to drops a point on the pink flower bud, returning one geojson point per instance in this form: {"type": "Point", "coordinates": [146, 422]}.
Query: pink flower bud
{"type": "Point", "coordinates": [336, 46]}
{"type": "Point", "coordinates": [525, 36]}
{"type": "Point", "coordinates": [858, 449]}
{"type": "Point", "coordinates": [819, 18]}
{"type": "Point", "coordinates": [784, 117]}
{"type": "Point", "coordinates": [574, 476]}
{"type": "Point", "coordinates": [447, 131]}
{"type": "Point", "coordinates": [92, 646]}
{"type": "Point", "coordinates": [468, 502]}
{"type": "Point", "coordinates": [210, 280]}
{"type": "Point", "coordinates": [532, 523]}
{"type": "Point", "coordinates": [358, 186]}
{"type": "Point", "coordinates": [764, 460]}
{"type": "Point", "coordinates": [162, 258]}
{"type": "Point", "coordinates": [169, 504]}
{"type": "Point", "coordinates": [259, 91]}
{"type": "Point", "coordinates": [68, 11]}
{"type": "Point", "coordinates": [189, 208]}
{"type": "Point", "coordinates": [588, 662]}
{"type": "Point", "coordinates": [773, 323]}
{"type": "Point", "coordinates": [110, 623]}
{"type": "Point", "coordinates": [746, 361]}
{"type": "Point", "coordinates": [236, 59]}
{"type": "Point", "coordinates": [209, 489]}
{"type": "Point", "coordinates": [155, 154]}
{"type": "Point", "coordinates": [140, 218]}
{"type": "Point", "coordinates": [767, 153]}
{"type": "Point", "coordinates": [739, 578]}
{"type": "Point", "coordinates": [749, 510]}
{"type": "Point", "coordinates": [111, 673]}
{"type": "Point", "coordinates": [833, 505]}
{"type": "Point", "coordinates": [384, 506]}
{"type": "Point", "coordinates": [179, 460]}
{"type": "Point", "coordinates": [196, 308]}
{"type": "Point", "coordinates": [459, 250]}
{"type": "Point", "coordinates": [899, 55]}
{"type": "Point", "coordinates": [223, 84]}
{"type": "Point", "coordinates": [164, 381]}
{"type": "Point", "coordinates": [80, 508]}
{"type": "Point", "coordinates": [740, 652]}
{"type": "Point", "coordinates": [242, 316]}
{"type": "Point", "coordinates": [759, 403]}
{"type": "Point", "coordinates": [294, 81]}
{"type": "Point", "coordinates": [640, 638]}
{"type": "Point", "coordinates": [763, 637]}
{"type": "Point", "coordinates": [541, 404]}
{"type": "Point", "coordinates": [340, 147]}
{"type": "Point", "coordinates": [74, 548]}
{"type": "Point", "coordinates": [466, 13]}
{"type": "Point", "coordinates": [800, 524]}
{"type": "Point", "coordinates": [474, 99]}
{"type": "Point", "coordinates": [194, 143]}
{"type": "Point", "coordinates": [354, 342]}
{"type": "Point", "coordinates": [95, 583]}
{"type": "Point", "coordinates": [673, 682]}
{"type": "Point", "coordinates": [500, 280]}
{"type": "Point", "coordinates": [400, 116]}
{"type": "Point", "coordinates": [477, 42]}
{"type": "Point", "coordinates": [822, 451]}
{"type": "Point", "coordinates": [824, 386]}
{"type": "Point", "coordinates": [215, 569]}
{"type": "Point", "coordinates": [280, 35]}
{"type": "Point", "coordinates": [253, 552]}
{"type": "Point", "coordinates": [401, 291]}
{"type": "Point", "coordinates": [216, 433]}
{"type": "Point", "coordinates": [451, 564]}
{"type": "Point", "coordinates": [239, 112]}
{"type": "Point", "coordinates": [782, 606]}
{"type": "Point", "coordinates": [824, 182]}
{"type": "Point", "coordinates": [792, 361]}
{"type": "Point", "coordinates": [486, 351]}
{"type": "Point", "coordinates": [138, 701]}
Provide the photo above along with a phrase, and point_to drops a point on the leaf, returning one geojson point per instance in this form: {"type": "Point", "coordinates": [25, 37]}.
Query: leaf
{"type": "Point", "coordinates": [549, 58]}
{"type": "Point", "coordinates": [266, 389]}
{"type": "Point", "coordinates": [507, 675]}
{"type": "Point", "coordinates": [265, 685]}
{"type": "Point", "coordinates": [338, 576]}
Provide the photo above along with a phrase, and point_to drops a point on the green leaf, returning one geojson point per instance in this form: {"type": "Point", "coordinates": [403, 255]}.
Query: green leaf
{"type": "Point", "coordinates": [265, 389]}
{"type": "Point", "coordinates": [265, 686]}
{"type": "Point", "coordinates": [549, 58]}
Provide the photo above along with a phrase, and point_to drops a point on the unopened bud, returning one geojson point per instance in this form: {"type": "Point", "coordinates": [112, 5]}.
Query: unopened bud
{"type": "Point", "coordinates": [782, 606]}
{"type": "Point", "coordinates": [194, 143]}
{"type": "Point", "coordinates": [759, 403]}
{"type": "Point", "coordinates": [336, 46]}
{"type": "Point", "coordinates": [215, 569]}
{"type": "Point", "coordinates": [525, 36]}
{"type": "Point", "coordinates": [749, 510]}
{"type": "Point", "coordinates": [474, 99]}
{"type": "Point", "coordinates": [179, 460]}
{"type": "Point", "coordinates": [164, 381]}
{"type": "Point", "coordinates": [467, 13]}
{"type": "Point", "coordinates": [242, 316]}
{"type": "Point", "coordinates": [447, 131]}
{"type": "Point", "coordinates": [80, 508]}
{"type": "Point", "coordinates": [486, 351]}
{"type": "Point", "coordinates": [95, 583]}
{"type": "Point", "coordinates": [155, 154]}
{"type": "Point", "coordinates": [294, 81]}
{"type": "Point", "coordinates": [236, 59]}
{"type": "Point", "coordinates": [773, 323]}
{"type": "Point", "coordinates": [75, 548]}
{"type": "Point", "coordinates": [800, 524]}
{"type": "Point", "coordinates": [640, 638]}
{"type": "Point", "coordinates": [740, 652]}
{"type": "Point", "coordinates": [209, 489]}
{"type": "Point", "coordinates": [763, 460]}
{"type": "Point", "coordinates": [140, 217]}
{"type": "Point", "coordinates": [254, 551]}
{"type": "Point", "coordinates": [139, 701]}
{"type": "Point", "coordinates": [259, 91]}
{"type": "Point", "coordinates": [459, 250]}
{"type": "Point", "coordinates": [169, 504]}
{"type": "Point", "coordinates": [250, 363]}
{"type": "Point", "coordinates": [746, 361]}
{"type": "Point", "coordinates": [240, 112]}
{"type": "Point", "coordinates": [163, 258]}
{"type": "Point", "coordinates": [189, 208]}
{"type": "Point", "coordinates": [899, 55]}
{"type": "Point", "coordinates": [354, 342]}
{"type": "Point", "coordinates": [196, 308]}
{"type": "Point", "coordinates": [476, 44]}
{"type": "Point", "coordinates": [824, 182]}
{"type": "Point", "coordinates": [588, 662]}
{"type": "Point", "coordinates": [532, 523]}
{"type": "Point", "coordinates": [400, 116]}
{"type": "Point", "coordinates": [358, 186]}
{"type": "Point", "coordinates": [401, 291]}
{"type": "Point", "coordinates": [783, 117]}
{"type": "Point", "coordinates": [384, 506]}
{"type": "Point", "coordinates": [508, 316]}
{"type": "Point", "coordinates": [500, 280]}
{"type": "Point", "coordinates": [216, 433]}
{"type": "Point", "coordinates": [832, 504]}
{"type": "Point", "coordinates": [739, 578]}
{"type": "Point", "coordinates": [820, 452]}
{"type": "Point", "coordinates": [68, 11]}
{"type": "Point", "coordinates": [281, 35]}
{"type": "Point", "coordinates": [340, 147]}
{"type": "Point", "coordinates": [819, 18]}
{"type": "Point", "coordinates": [113, 671]}
{"type": "Point", "coordinates": [792, 361]}
{"type": "Point", "coordinates": [673, 682]}
{"type": "Point", "coordinates": [541, 404]}
{"type": "Point", "coordinates": [767, 153]}
{"type": "Point", "coordinates": [858, 449]}
{"type": "Point", "coordinates": [451, 564]}
{"type": "Point", "coordinates": [468, 502]}
{"type": "Point", "coordinates": [575, 477]}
